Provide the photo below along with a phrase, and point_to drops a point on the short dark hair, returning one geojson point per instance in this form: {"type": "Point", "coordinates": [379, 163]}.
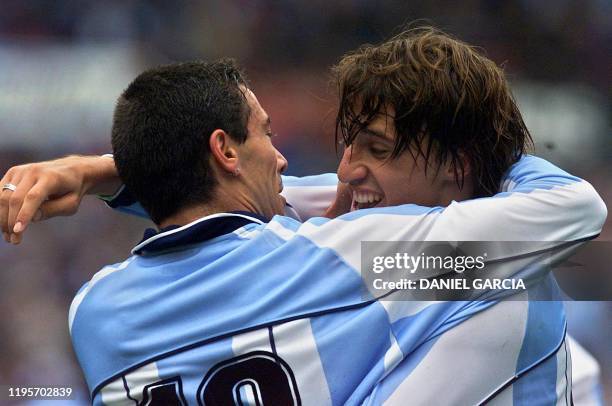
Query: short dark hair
{"type": "Point", "coordinates": [448, 99]}
{"type": "Point", "coordinates": [161, 129]}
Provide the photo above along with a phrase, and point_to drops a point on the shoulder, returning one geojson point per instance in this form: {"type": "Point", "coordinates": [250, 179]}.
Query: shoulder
{"type": "Point", "coordinates": [95, 323]}
{"type": "Point", "coordinates": [84, 294]}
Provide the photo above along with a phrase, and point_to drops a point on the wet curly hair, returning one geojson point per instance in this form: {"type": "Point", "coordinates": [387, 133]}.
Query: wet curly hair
{"type": "Point", "coordinates": [449, 100]}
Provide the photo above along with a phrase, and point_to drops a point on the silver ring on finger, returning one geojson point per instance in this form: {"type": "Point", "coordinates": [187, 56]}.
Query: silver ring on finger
{"type": "Point", "coordinates": [9, 186]}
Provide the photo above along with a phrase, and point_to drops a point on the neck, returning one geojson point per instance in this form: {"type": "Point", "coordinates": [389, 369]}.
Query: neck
{"type": "Point", "coordinates": [222, 203]}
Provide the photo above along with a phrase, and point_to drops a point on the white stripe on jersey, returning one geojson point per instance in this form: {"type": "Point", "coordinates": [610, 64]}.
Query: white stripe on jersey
{"type": "Point", "coordinates": [278, 229]}
{"type": "Point", "coordinates": [477, 354]}
{"type": "Point", "coordinates": [258, 340]}
{"type": "Point", "coordinates": [585, 375]}
{"type": "Point", "coordinates": [399, 309]}
{"type": "Point", "coordinates": [137, 380]}
{"type": "Point", "coordinates": [295, 344]}
{"type": "Point", "coordinates": [115, 393]}
{"type": "Point", "coordinates": [393, 356]}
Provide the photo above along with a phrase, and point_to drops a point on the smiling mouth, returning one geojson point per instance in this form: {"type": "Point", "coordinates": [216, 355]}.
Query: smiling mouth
{"type": "Point", "coordinates": [365, 200]}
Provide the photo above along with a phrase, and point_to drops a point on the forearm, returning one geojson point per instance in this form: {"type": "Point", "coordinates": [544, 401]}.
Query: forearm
{"type": "Point", "coordinates": [540, 203]}
{"type": "Point", "coordinates": [52, 188]}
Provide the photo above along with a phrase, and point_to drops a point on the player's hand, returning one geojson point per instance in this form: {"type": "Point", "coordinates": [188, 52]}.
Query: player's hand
{"type": "Point", "coordinates": [51, 188]}
{"type": "Point", "coordinates": [342, 203]}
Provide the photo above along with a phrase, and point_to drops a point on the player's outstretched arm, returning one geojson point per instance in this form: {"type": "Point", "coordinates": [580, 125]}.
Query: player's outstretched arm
{"type": "Point", "coordinates": [51, 188]}
{"type": "Point", "coordinates": [540, 202]}
{"type": "Point", "coordinates": [306, 196]}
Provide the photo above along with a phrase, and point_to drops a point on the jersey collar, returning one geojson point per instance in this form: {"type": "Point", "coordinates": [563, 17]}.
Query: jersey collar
{"type": "Point", "coordinates": [206, 228]}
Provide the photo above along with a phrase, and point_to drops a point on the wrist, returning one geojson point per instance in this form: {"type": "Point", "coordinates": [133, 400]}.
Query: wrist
{"type": "Point", "coordinates": [100, 176]}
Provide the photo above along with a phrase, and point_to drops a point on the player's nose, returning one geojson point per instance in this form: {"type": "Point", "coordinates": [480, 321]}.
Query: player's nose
{"type": "Point", "coordinates": [281, 162]}
{"type": "Point", "coordinates": [351, 169]}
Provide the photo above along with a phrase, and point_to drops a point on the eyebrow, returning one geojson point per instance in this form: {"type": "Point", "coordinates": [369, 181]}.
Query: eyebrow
{"type": "Point", "coordinates": [374, 133]}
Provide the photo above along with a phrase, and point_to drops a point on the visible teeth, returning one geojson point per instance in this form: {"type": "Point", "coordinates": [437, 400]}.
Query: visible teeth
{"type": "Point", "coordinates": [366, 197]}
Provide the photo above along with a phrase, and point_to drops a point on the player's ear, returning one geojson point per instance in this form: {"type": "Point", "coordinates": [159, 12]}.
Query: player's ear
{"type": "Point", "coordinates": [223, 151]}
{"type": "Point", "coordinates": [463, 167]}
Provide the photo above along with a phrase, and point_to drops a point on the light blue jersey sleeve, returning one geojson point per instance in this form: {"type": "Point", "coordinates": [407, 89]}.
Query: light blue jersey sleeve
{"type": "Point", "coordinates": [541, 203]}
{"type": "Point", "coordinates": [537, 202]}
{"type": "Point", "coordinates": [124, 202]}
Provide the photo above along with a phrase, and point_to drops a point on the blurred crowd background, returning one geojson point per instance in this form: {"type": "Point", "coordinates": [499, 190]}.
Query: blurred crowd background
{"type": "Point", "coordinates": [64, 62]}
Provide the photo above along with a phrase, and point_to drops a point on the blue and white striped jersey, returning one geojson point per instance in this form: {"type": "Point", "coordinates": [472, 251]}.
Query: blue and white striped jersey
{"type": "Point", "coordinates": [235, 309]}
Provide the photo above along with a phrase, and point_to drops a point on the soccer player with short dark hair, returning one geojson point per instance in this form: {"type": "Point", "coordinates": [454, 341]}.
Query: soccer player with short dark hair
{"type": "Point", "coordinates": [232, 302]}
{"type": "Point", "coordinates": [149, 138]}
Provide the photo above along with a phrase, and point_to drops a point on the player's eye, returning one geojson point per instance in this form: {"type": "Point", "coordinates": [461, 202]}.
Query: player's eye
{"type": "Point", "coordinates": [378, 152]}
{"type": "Point", "coordinates": [271, 134]}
